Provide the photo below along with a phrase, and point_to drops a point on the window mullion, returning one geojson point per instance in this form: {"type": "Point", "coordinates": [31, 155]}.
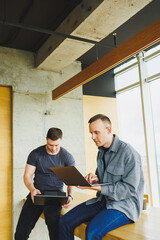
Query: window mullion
{"type": "Point", "coordinates": [149, 133]}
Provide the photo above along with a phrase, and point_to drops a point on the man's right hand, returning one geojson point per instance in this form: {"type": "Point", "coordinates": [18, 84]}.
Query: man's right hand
{"type": "Point", "coordinates": [91, 178]}
{"type": "Point", "coordinates": [33, 193]}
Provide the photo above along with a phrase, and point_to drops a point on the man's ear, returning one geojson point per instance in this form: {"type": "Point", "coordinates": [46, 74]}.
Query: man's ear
{"type": "Point", "coordinates": [109, 129]}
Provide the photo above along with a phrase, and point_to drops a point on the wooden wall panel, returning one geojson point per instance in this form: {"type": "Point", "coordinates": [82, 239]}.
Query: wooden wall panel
{"type": "Point", "coordinates": [91, 106]}
{"type": "Point", "coordinates": [5, 164]}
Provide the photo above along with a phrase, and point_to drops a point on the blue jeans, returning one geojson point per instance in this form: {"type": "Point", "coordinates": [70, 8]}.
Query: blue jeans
{"type": "Point", "coordinates": [29, 216]}
{"type": "Point", "coordinates": [101, 221]}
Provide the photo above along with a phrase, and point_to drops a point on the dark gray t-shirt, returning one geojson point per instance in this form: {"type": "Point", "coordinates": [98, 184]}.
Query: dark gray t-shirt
{"type": "Point", "coordinates": [45, 179]}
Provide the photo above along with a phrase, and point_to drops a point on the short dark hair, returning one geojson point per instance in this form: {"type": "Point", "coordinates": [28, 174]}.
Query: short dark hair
{"type": "Point", "coordinates": [102, 117]}
{"type": "Point", "coordinates": [54, 133]}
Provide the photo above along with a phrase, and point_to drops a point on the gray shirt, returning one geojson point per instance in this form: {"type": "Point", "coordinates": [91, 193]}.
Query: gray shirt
{"type": "Point", "coordinates": [121, 167]}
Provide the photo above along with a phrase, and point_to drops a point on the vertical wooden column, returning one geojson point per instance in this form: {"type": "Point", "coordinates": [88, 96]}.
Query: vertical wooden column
{"type": "Point", "coordinates": [5, 164]}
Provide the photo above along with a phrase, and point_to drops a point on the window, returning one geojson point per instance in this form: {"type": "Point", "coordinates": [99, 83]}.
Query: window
{"type": "Point", "coordinates": [129, 77]}
{"type": "Point", "coordinates": [137, 84]}
{"type": "Point", "coordinates": [153, 65]}
{"type": "Point", "coordinates": [155, 100]}
{"type": "Point", "coordinates": [131, 125]}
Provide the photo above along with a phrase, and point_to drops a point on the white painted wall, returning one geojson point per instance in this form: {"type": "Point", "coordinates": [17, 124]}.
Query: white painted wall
{"type": "Point", "coordinates": [34, 112]}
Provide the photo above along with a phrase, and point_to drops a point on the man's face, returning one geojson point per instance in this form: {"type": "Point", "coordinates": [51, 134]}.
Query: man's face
{"type": "Point", "coordinates": [53, 146]}
{"type": "Point", "coordinates": [100, 132]}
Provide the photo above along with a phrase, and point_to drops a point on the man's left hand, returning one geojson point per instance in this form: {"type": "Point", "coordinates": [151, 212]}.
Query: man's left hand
{"type": "Point", "coordinates": [96, 188]}
{"type": "Point", "coordinates": [69, 203]}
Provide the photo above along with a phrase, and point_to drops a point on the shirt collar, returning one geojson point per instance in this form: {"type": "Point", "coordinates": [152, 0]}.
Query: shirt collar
{"type": "Point", "coordinates": [115, 145]}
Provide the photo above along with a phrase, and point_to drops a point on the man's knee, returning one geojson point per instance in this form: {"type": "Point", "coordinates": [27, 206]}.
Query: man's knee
{"type": "Point", "coordinates": [64, 223]}
{"type": "Point", "coordinates": [61, 221]}
{"type": "Point", "coordinates": [92, 233]}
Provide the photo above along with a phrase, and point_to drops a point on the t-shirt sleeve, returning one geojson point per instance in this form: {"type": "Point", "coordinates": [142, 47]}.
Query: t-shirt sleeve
{"type": "Point", "coordinates": [69, 160]}
{"type": "Point", "coordinates": [32, 160]}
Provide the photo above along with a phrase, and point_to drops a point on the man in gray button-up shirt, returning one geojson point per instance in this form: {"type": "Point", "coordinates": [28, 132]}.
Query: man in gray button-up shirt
{"type": "Point", "coordinates": [119, 200]}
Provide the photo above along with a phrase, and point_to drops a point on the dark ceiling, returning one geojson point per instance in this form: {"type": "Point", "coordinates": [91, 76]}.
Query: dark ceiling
{"type": "Point", "coordinates": [48, 14]}
{"type": "Point", "coordinates": [45, 14]}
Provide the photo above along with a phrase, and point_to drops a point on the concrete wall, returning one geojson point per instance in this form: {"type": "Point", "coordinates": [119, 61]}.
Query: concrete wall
{"type": "Point", "coordinates": [34, 112]}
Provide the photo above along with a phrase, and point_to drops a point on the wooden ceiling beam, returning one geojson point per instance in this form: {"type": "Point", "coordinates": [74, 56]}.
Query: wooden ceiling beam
{"type": "Point", "coordinates": [131, 47]}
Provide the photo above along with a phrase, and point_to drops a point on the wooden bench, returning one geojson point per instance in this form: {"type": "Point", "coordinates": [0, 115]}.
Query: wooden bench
{"type": "Point", "coordinates": [146, 228]}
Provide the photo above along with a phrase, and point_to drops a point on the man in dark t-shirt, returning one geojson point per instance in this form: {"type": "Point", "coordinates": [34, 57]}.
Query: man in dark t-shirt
{"type": "Point", "coordinates": [39, 178]}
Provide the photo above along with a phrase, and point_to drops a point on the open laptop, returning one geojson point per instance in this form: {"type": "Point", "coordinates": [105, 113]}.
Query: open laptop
{"type": "Point", "coordinates": [72, 177]}
{"type": "Point", "coordinates": [50, 198]}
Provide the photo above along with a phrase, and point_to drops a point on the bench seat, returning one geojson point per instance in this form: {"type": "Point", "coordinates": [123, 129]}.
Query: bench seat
{"type": "Point", "coordinates": [146, 228]}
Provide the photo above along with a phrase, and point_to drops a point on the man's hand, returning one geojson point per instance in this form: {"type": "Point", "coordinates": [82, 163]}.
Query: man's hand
{"type": "Point", "coordinates": [96, 188]}
{"type": "Point", "coordinates": [33, 193]}
{"type": "Point", "coordinates": [91, 178]}
{"type": "Point", "coordinates": [69, 203]}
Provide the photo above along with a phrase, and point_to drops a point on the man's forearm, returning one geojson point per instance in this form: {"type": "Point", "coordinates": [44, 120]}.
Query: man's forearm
{"type": "Point", "coordinates": [29, 184]}
{"type": "Point", "coordinates": [71, 190]}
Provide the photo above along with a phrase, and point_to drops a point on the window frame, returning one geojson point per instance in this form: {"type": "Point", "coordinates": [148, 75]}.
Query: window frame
{"type": "Point", "coordinates": [154, 184]}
